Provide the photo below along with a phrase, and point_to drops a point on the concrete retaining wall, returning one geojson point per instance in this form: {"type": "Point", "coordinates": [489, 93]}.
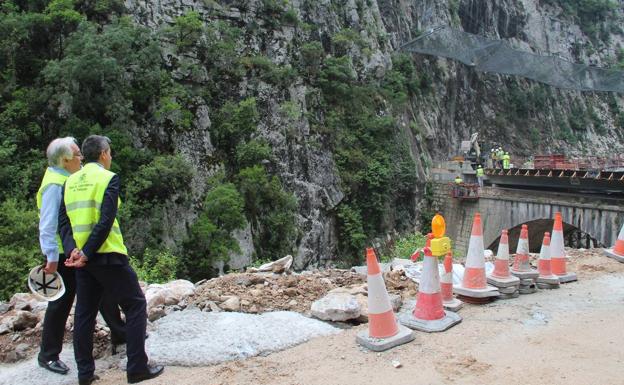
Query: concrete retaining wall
{"type": "Point", "coordinates": [507, 209]}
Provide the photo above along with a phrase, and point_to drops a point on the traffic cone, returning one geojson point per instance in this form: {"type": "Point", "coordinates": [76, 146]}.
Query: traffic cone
{"type": "Point", "coordinates": [521, 267]}
{"type": "Point", "coordinates": [557, 252]}
{"type": "Point", "coordinates": [446, 286]}
{"type": "Point", "coordinates": [546, 279]}
{"type": "Point", "coordinates": [474, 283]}
{"type": "Point", "coordinates": [384, 332]}
{"type": "Point", "coordinates": [617, 251]}
{"type": "Point", "coordinates": [429, 314]}
{"type": "Point", "coordinates": [418, 252]}
{"type": "Point", "coordinates": [501, 264]}
{"type": "Point", "coordinates": [507, 284]}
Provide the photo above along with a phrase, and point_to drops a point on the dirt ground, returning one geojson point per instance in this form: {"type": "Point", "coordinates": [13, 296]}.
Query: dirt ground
{"type": "Point", "coordinates": [571, 335]}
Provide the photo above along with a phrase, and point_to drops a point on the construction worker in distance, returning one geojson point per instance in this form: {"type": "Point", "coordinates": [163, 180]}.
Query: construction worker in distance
{"type": "Point", "coordinates": [500, 153]}
{"type": "Point", "coordinates": [457, 187]}
{"type": "Point", "coordinates": [480, 174]}
{"type": "Point", "coordinates": [506, 160]}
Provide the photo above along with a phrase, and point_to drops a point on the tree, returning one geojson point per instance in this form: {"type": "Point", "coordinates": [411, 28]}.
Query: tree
{"type": "Point", "coordinates": [270, 210]}
{"type": "Point", "coordinates": [210, 238]}
{"type": "Point", "coordinates": [63, 19]}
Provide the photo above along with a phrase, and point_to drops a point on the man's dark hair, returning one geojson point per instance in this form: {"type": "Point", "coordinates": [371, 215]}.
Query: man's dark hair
{"type": "Point", "coordinates": [93, 146]}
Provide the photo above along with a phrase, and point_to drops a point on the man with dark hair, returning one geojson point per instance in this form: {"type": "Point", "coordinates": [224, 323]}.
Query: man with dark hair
{"type": "Point", "coordinates": [64, 159]}
{"type": "Point", "coordinates": [89, 228]}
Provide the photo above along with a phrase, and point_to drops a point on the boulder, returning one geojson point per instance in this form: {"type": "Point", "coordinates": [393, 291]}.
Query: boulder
{"type": "Point", "coordinates": [155, 313]}
{"type": "Point", "coordinates": [336, 306]}
{"type": "Point", "coordinates": [23, 301]}
{"type": "Point", "coordinates": [231, 304]}
{"type": "Point", "coordinates": [181, 288]}
{"type": "Point", "coordinates": [280, 266]}
{"type": "Point", "coordinates": [24, 320]}
{"type": "Point", "coordinates": [213, 307]}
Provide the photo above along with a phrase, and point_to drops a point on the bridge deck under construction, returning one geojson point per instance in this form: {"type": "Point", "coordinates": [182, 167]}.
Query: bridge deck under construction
{"type": "Point", "coordinates": [609, 182]}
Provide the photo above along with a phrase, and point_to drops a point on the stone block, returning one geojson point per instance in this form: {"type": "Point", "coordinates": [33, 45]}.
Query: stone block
{"type": "Point", "coordinates": [527, 290]}
{"type": "Point", "coordinates": [404, 336]}
{"type": "Point", "coordinates": [611, 254]}
{"type": "Point", "coordinates": [453, 305]}
{"type": "Point", "coordinates": [439, 325]}
{"type": "Point", "coordinates": [525, 274]}
{"type": "Point", "coordinates": [569, 277]}
{"type": "Point", "coordinates": [547, 286]}
{"type": "Point", "coordinates": [508, 290]}
{"type": "Point", "coordinates": [489, 291]}
{"type": "Point", "coordinates": [552, 280]}
{"type": "Point", "coordinates": [503, 282]}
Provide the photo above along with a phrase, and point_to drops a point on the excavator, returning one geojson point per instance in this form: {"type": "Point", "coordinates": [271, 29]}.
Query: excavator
{"type": "Point", "coordinates": [471, 151]}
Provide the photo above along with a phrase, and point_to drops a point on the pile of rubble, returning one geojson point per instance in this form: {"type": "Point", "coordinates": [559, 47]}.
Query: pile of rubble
{"type": "Point", "coordinates": [258, 292]}
{"type": "Point", "coordinates": [21, 323]}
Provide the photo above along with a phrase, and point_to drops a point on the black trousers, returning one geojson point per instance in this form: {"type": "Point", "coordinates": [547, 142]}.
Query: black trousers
{"type": "Point", "coordinates": [121, 285]}
{"type": "Point", "coordinates": [58, 311]}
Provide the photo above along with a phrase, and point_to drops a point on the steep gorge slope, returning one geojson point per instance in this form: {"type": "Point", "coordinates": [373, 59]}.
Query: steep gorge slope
{"type": "Point", "coordinates": [436, 104]}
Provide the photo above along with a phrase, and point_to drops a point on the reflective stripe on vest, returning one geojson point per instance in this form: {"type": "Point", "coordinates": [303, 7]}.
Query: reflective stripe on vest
{"type": "Point", "coordinates": [84, 192]}
{"type": "Point", "coordinates": [51, 177]}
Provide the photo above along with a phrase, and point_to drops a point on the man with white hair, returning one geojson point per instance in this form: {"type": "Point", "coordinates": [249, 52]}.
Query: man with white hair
{"type": "Point", "coordinates": [64, 159]}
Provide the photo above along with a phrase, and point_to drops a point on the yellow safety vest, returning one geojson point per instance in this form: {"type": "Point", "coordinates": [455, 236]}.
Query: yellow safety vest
{"type": "Point", "coordinates": [84, 192]}
{"type": "Point", "coordinates": [51, 177]}
{"type": "Point", "coordinates": [479, 171]}
{"type": "Point", "coordinates": [458, 180]}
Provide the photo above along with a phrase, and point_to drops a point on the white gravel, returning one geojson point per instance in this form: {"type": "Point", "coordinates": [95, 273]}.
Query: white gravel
{"type": "Point", "coordinates": [195, 338]}
{"type": "Point", "coordinates": [191, 338]}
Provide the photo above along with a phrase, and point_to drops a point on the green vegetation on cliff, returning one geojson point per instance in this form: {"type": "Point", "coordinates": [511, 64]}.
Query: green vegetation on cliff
{"type": "Point", "coordinates": [71, 67]}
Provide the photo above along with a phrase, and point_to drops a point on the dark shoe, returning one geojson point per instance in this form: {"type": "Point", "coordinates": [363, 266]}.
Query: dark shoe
{"type": "Point", "coordinates": [88, 381]}
{"type": "Point", "coordinates": [152, 372]}
{"type": "Point", "coordinates": [57, 366]}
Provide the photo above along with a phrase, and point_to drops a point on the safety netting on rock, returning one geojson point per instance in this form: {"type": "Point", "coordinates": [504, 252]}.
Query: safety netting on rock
{"type": "Point", "coordinates": [497, 56]}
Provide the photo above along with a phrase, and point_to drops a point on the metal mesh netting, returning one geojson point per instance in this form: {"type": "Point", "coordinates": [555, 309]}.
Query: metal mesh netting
{"type": "Point", "coordinates": [489, 55]}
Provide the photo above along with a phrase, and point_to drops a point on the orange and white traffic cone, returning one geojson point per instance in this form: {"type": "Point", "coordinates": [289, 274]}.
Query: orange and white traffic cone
{"type": "Point", "coordinates": [617, 251]}
{"type": "Point", "coordinates": [546, 279]}
{"type": "Point", "coordinates": [521, 266]}
{"type": "Point", "coordinates": [474, 287]}
{"type": "Point", "coordinates": [429, 314]}
{"type": "Point", "coordinates": [507, 284]}
{"type": "Point", "coordinates": [384, 332]}
{"type": "Point", "coordinates": [558, 259]}
{"type": "Point", "coordinates": [446, 286]}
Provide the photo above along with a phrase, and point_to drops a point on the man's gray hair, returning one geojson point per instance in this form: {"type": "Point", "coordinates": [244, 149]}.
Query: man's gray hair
{"type": "Point", "coordinates": [59, 149]}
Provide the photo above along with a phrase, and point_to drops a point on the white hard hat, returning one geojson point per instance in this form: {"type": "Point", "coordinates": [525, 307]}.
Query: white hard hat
{"type": "Point", "coordinates": [47, 287]}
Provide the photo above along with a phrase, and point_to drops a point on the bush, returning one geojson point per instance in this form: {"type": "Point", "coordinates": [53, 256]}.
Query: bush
{"type": "Point", "coordinates": [210, 238]}
{"type": "Point", "coordinates": [235, 122]}
{"type": "Point", "coordinates": [156, 266]}
{"type": "Point", "coordinates": [405, 246]}
{"type": "Point", "coordinates": [271, 212]}
{"type": "Point", "coordinates": [186, 30]}
{"type": "Point", "coordinates": [311, 57]}
{"type": "Point", "coordinates": [252, 153]}
{"type": "Point", "coordinates": [161, 179]}
{"type": "Point", "coordinates": [19, 246]}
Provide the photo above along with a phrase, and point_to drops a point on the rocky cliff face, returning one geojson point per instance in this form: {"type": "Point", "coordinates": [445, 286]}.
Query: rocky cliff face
{"type": "Point", "coordinates": [524, 116]}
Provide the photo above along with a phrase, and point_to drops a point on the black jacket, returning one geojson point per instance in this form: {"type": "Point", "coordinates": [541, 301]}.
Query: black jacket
{"type": "Point", "coordinates": [108, 212]}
